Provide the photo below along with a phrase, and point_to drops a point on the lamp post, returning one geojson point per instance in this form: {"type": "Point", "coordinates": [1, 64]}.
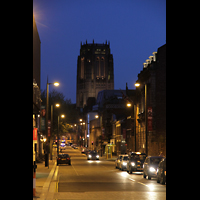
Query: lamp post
{"type": "Point", "coordinates": [57, 105]}
{"type": "Point", "coordinates": [62, 116]}
{"type": "Point", "coordinates": [47, 109]}
{"type": "Point", "coordinates": [145, 107]}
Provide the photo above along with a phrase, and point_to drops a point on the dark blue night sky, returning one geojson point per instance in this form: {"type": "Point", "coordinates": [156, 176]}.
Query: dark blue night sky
{"type": "Point", "coordinates": [135, 29]}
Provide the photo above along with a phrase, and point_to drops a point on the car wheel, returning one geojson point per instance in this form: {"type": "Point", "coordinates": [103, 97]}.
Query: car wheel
{"type": "Point", "coordinates": [57, 164]}
{"type": "Point", "coordinates": [149, 177]}
{"type": "Point", "coordinates": [144, 175]}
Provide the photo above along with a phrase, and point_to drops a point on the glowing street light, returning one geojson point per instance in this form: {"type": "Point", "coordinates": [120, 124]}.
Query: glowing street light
{"type": "Point", "coordinates": [137, 84]}
{"type": "Point", "coordinates": [56, 84]}
{"type": "Point", "coordinates": [128, 104]}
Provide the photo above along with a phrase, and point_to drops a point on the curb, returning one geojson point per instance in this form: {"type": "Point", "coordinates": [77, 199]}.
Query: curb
{"type": "Point", "coordinates": [47, 183]}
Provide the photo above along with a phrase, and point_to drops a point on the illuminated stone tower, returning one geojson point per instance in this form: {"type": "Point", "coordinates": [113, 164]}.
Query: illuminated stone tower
{"type": "Point", "coordinates": [94, 72]}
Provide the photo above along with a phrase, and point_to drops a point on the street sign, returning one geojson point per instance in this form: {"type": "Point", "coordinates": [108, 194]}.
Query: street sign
{"type": "Point", "coordinates": [43, 118]}
{"type": "Point", "coordinates": [35, 134]}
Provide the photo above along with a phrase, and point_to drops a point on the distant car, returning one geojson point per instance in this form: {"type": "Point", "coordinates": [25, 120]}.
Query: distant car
{"type": "Point", "coordinates": [92, 155]}
{"type": "Point", "coordinates": [151, 165]}
{"type": "Point", "coordinates": [75, 147]}
{"type": "Point", "coordinates": [135, 161]}
{"type": "Point", "coordinates": [87, 151]}
{"type": "Point", "coordinates": [117, 161]}
{"type": "Point", "coordinates": [123, 162]}
{"type": "Point", "coordinates": [63, 158]}
{"type": "Point", "coordinates": [161, 172]}
{"type": "Point", "coordinates": [84, 150]}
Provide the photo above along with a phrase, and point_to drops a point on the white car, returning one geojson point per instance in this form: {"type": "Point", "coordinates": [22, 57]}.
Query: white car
{"type": "Point", "coordinates": [123, 162]}
{"type": "Point", "coordinates": [117, 161]}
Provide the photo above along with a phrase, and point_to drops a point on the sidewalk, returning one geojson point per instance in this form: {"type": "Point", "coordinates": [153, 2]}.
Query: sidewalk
{"type": "Point", "coordinates": [109, 159]}
{"type": "Point", "coordinates": [43, 177]}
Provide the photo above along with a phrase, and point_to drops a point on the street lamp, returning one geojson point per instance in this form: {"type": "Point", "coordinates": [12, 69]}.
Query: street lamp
{"type": "Point", "coordinates": [128, 105]}
{"type": "Point", "coordinates": [47, 112]}
{"type": "Point", "coordinates": [47, 103]}
{"type": "Point", "coordinates": [57, 105]}
{"type": "Point", "coordinates": [137, 84]}
{"type": "Point", "coordinates": [62, 116]}
{"type": "Point", "coordinates": [56, 84]}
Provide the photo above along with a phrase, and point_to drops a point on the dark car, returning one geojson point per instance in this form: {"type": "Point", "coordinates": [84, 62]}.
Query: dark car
{"type": "Point", "coordinates": [161, 172]}
{"type": "Point", "coordinates": [135, 161]}
{"type": "Point", "coordinates": [151, 165]}
{"type": "Point", "coordinates": [63, 158]}
{"type": "Point", "coordinates": [92, 155]}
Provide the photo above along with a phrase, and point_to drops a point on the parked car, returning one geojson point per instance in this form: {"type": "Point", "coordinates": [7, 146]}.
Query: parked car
{"type": "Point", "coordinates": [84, 150]}
{"type": "Point", "coordinates": [151, 165]}
{"type": "Point", "coordinates": [75, 147]}
{"type": "Point", "coordinates": [161, 172]}
{"type": "Point", "coordinates": [123, 162]}
{"type": "Point", "coordinates": [93, 155]}
{"type": "Point", "coordinates": [63, 158]}
{"type": "Point", "coordinates": [135, 161]}
{"type": "Point", "coordinates": [117, 161]}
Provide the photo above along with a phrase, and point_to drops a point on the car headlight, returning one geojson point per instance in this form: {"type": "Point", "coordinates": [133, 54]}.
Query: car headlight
{"type": "Point", "coordinates": [97, 156]}
{"type": "Point", "coordinates": [151, 169]}
{"type": "Point", "coordinates": [133, 164]}
{"type": "Point", "coordinates": [124, 163]}
{"type": "Point", "coordinates": [90, 156]}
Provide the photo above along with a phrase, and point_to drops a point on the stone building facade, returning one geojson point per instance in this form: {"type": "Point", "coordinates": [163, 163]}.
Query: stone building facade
{"type": "Point", "coordinates": [95, 72]}
{"type": "Point", "coordinates": [153, 77]}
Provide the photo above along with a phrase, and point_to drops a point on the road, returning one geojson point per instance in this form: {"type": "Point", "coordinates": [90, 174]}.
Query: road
{"type": "Point", "coordinates": [86, 179]}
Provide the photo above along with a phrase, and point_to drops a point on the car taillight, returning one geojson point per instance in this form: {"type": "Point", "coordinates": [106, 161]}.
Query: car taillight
{"type": "Point", "coordinates": [58, 158]}
{"type": "Point", "coordinates": [68, 158]}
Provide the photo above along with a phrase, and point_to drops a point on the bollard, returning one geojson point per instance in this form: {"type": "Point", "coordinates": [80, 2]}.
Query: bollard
{"type": "Point", "coordinates": [34, 178]}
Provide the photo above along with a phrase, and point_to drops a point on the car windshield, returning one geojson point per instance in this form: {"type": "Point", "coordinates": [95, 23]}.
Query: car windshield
{"type": "Point", "coordinates": [138, 157]}
{"type": "Point", "coordinates": [93, 152]}
{"type": "Point", "coordinates": [63, 156]}
{"type": "Point", "coordinates": [125, 158]}
{"type": "Point", "coordinates": [155, 160]}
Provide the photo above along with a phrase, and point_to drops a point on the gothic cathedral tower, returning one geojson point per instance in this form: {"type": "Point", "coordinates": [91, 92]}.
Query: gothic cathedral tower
{"type": "Point", "coordinates": [94, 72]}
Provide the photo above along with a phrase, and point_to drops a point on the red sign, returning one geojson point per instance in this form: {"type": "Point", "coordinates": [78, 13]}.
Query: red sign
{"type": "Point", "coordinates": [149, 117]}
{"type": "Point", "coordinates": [35, 134]}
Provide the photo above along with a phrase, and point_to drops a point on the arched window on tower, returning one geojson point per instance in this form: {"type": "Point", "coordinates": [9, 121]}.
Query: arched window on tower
{"type": "Point", "coordinates": [82, 68]}
{"type": "Point", "coordinates": [102, 67]}
{"type": "Point", "coordinates": [97, 67]}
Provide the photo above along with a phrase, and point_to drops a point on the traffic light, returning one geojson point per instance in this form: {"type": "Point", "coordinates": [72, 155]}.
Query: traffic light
{"type": "Point", "coordinates": [92, 142]}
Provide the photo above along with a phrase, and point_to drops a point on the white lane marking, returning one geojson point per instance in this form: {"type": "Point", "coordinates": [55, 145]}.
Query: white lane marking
{"type": "Point", "coordinates": [75, 170]}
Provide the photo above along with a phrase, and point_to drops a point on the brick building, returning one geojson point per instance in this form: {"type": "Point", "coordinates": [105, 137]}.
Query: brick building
{"type": "Point", "coordinates": [153, 77]}
{"type": "Point", "coordinates": [36, 90]}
